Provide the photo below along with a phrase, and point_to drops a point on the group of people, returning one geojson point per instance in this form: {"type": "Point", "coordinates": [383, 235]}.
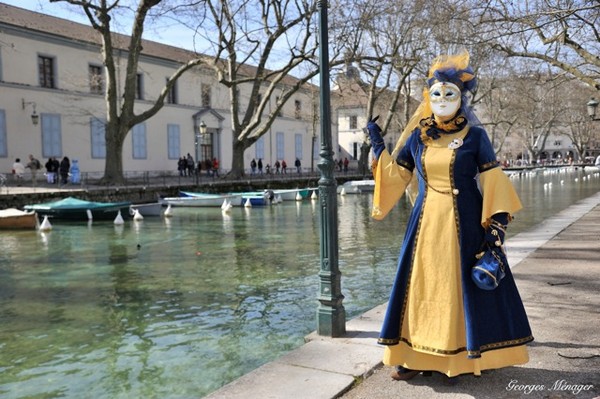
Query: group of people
{"type": "Point", "coordinates": [280, 167]}
{"type": "Point", "coordinates": [187, 167]}
{"type": "Point", "coordinates": [342, 164]}
{"type": "Point", "coordinates": [257, 167]}
{"type": "Point", "coordinates": [54, 168]}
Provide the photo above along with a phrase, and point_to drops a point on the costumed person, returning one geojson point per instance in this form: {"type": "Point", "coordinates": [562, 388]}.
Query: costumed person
{"type": "Point", "coordinates": [437, 318]}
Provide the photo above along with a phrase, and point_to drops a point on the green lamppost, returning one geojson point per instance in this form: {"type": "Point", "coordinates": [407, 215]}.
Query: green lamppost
{"type": "Point", "coordinates": [331, 316]}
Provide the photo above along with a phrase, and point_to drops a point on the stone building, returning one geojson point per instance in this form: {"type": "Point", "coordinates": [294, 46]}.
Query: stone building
{"type": "Point", "coordinates": [52, 103]}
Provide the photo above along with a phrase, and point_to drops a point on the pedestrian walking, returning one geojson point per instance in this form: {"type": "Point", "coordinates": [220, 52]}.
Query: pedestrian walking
{"type": "Point", "coordinates": [63, 169]}
{"type": "Point", "coordinates": [50, 171]}
{"type": "Point", "coordinates": [18, 171]}
{"type": "Point", "coordinates": [215, 167]}
{"type": "Point", "coordinates": [33, 165]}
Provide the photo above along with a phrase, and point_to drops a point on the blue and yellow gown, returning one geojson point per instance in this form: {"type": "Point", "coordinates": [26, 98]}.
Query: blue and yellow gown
{"type": "Point", "coordinates": [437, 319]}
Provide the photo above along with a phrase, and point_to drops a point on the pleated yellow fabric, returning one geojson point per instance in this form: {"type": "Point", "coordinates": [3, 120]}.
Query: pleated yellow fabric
{"type": "Point", "coordinates": [453, 365]}
{"type": "Point", "coordinates": [391, 180]}
{"type": "Point", "coordinates": [500, 195]}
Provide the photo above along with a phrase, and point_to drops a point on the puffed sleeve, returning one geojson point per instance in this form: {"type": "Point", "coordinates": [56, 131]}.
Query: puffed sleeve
{"type": "Point", "coordinates": [499, 195]}
{"type": "Point", "coordinates": [392, 176]}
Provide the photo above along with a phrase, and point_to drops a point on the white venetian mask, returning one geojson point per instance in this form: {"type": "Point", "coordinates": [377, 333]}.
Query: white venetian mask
{"type": "Point", "coordinates": [445, 100]}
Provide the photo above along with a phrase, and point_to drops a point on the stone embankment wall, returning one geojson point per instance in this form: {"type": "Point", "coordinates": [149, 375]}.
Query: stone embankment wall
{"type": "Point", "coordinates": [17, 197]}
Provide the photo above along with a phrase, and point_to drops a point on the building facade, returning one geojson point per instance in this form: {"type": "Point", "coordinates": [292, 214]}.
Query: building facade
{"type": "Point", "coordinates": [51, 73]}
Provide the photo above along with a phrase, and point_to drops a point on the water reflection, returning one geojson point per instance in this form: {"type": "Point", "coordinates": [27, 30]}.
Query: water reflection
{"type": "Point", "coordinates": [176, 307]}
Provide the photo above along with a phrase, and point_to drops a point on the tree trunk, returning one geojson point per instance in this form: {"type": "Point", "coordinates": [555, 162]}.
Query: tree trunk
{"type": "Point", "coordinates": [113, 167]}
{"type": "Point", "coordinates": [237, 162]}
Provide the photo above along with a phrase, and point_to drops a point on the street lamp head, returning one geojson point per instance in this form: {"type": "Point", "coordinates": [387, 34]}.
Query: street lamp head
{"type": "Point", "coordinates": [202, 128]}
{"type": "Point", "coordinates": [35, 118]}
{"type": "Point", "coordinates": [592, 105]}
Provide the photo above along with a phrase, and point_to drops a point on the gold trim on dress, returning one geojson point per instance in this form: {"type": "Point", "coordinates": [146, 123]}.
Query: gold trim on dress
{"type": "Point", "coordinates": [499, 345]}
{"type": "Point", "coordinates": [488, 166]}
{"type": "Point", "coordinates": [405, 164]}
{"type": "Point", "coordinates": [483, 348]}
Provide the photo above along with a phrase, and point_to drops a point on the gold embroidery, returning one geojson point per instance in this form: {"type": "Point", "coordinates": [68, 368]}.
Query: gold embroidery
{"type": "Point", "coordinates": [488, 166]}
{"type": "Point", "coordinates": [477, 353]}
{"type": "Point", "coordinates": [405, 164]}
{"type": "Point", "coordinates": [434, 350]}
{"type": "Point", "coordinates": [454, 199]}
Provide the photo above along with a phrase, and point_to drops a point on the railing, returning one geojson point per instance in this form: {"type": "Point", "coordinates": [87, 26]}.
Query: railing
{"type": "Point", "coordinates": [171, 178]}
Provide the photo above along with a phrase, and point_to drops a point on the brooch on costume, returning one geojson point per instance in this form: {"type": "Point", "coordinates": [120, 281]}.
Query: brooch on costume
{"type": "Point", "coordinates": [456, 143]}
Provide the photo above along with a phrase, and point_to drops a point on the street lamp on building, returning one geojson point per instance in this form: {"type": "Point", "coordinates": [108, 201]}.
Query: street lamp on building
{"type": "Point", "coordinates": [592, 105]}
{"type": "Point", "coordinates": [35, 118]}
{"type": "Point", "coordinates": [202, 128]}
{"type": "Point", "coordinates": [199, 133]}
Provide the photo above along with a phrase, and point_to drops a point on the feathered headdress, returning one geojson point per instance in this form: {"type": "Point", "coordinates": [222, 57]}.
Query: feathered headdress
{"type": "Point", "coordinates": [444, 68]}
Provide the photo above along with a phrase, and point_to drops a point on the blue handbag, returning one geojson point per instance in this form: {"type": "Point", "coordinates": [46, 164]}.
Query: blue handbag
{"type": "Point", "coordinates": [488, 270]}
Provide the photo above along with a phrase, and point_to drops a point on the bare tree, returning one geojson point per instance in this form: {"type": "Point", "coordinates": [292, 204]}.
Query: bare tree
{"type": "Point", "coordinates": [120, 115]}
{"type": "Point", "coordinates": [576, 124]}
{"type": "Point", "coordinates": [537, 104]}
{"type": "Point", "coordinates": [388, 47]}
{"type": "Point", "coordinates": [580, 131]}
{"type": "Point", "coordinates": [248, 37]}
{"type": "Point", "coordinates": [562, 33]}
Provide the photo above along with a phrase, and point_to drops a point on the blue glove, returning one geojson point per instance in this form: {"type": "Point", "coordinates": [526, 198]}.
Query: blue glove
{"type": "Point", "coordinates": [375, 135]}
{"type": "Point", "coordinates": [494, 234]}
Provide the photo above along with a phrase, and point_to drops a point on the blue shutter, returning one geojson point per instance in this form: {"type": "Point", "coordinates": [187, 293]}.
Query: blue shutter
{"type": "Point", "coordinates": [298, 145]}
{"type": "Point", "coordinates": [98, 139]}
{"type": "Point", "coordinates": [51, 135]}
{"type": "Point", "coordinates": [260, 147]}
{"type": "Point", "coordinates": [173, 141]}
{"type": "Point", "coordinates": [280, 145]}
{"type": "Point", "coordinates": [3, 143]}
{"type": "Point", "coordinates": [138, 138]}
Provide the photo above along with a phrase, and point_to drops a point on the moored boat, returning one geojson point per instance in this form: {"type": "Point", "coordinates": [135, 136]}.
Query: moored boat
{"type": "Point", "coordinates": [12, 218]}
{"type": "Point", "coordinates": [259, 198]}
{"type": "Point", "coordinates": [357, 186]}
{"type": "Point", "coordinates": [293, 193]}
{"type": "Point", "coordinates": [71, 208]}
{"type": "Point", "coordinates": [147, 209]}
{"type": "Point", "coordinates": [203, 199]}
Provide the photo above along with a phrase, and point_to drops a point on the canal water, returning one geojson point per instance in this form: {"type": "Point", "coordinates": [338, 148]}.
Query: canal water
{"type": "Point", "coordinates": [177, 307]}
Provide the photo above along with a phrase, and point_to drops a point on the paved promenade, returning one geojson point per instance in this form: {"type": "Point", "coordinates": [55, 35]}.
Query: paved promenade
{"type": "Point", "coordinates": [557, 269]}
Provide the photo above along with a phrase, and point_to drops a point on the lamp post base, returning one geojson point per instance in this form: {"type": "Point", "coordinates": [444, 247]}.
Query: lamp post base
{"type": "Point", "coordinates": [331, 321]}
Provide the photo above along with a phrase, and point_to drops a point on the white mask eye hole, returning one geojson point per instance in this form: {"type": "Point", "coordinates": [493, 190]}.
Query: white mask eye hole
{"type": "Point", "coordinates": [444, 91]}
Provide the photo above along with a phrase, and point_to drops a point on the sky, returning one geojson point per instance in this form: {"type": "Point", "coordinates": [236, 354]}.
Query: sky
{"type": "Point", "coordinates": [174, 35]}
